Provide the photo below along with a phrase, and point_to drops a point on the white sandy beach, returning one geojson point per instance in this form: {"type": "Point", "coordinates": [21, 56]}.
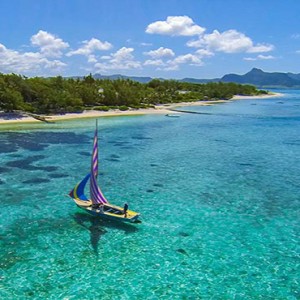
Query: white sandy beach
{"type": "Point", "coordinates": [159, 109]}
{"type": "Point", "coordinates": [5, 119]}
{"type": "Point", "coordinates": [270, 95]}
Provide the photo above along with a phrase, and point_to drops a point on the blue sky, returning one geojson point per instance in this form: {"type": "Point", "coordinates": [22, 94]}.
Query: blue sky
{"type": "Point", "coordinates": [157, 38]}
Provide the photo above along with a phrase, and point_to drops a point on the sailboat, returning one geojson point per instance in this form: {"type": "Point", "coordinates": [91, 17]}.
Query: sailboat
{"type": "Point", "coordinates": [97, 204]}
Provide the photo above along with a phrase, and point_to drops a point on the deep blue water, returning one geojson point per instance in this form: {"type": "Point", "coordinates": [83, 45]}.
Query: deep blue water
{"type": "Point", "coordinates": [218, 193]}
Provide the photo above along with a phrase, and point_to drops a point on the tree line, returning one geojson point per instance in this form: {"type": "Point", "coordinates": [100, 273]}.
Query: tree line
{"type": "Point", "coordinates": [61, 95]}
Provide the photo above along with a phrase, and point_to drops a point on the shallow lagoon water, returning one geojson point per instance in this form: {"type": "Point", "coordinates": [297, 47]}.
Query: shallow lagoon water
{"type": "Point", "coordinates": [218, 193]}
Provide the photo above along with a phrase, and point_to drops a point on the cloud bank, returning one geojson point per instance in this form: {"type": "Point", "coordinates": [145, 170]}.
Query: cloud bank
{"type": "Point", "coordinates": [50, 54]}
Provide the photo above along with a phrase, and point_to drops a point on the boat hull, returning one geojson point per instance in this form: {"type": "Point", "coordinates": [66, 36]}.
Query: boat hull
{"type": "Point", "coordinates": [109, 212]}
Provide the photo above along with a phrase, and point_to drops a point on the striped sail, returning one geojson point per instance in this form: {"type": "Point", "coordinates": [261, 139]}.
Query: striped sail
{"type": "Point", "coordinates": [97, 196]}
{"type": "Point", "coordinates": [78, 191]}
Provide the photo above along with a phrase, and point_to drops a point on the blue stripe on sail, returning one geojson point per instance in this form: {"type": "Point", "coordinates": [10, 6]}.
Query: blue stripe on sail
{"type": "Point", "coordinates": [78, 191]}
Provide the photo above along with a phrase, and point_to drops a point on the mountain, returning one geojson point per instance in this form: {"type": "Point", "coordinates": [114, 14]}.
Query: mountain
{"type": "Point", "coordinates": [260, 78]}
{"type": "Point", "coordinates": [294, 76]}
{"type": "Point", "coordinates": [194, 80]}
{"type": "Point", "coordinates": [119, 76]}
{"type": "Point", "coordinates": [256, 77]}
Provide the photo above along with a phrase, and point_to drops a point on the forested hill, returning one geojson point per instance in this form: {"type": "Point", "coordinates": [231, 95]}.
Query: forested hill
{"type": "Point", "coordinates": [256, 77]}
{"type": "Point", "coordinates": [58, 95]}
{"type": "Point", "coordinates": [260, 78]}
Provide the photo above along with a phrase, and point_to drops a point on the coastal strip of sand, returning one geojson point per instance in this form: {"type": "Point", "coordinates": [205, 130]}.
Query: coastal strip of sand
{"type": "Point", "coordinates": [270, 95]}
{"type": "Point", "coordinates": [15, 118]}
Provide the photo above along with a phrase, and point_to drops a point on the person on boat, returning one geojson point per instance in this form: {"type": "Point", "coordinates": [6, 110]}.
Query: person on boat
{"type": "Point", "coordinates": [101, 208]}
{"type": "Point", "coordinates": [125, 210]}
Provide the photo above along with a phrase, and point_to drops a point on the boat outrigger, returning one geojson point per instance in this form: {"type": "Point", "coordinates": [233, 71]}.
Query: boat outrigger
{"type": "Point", "coordinates": [98, 205]}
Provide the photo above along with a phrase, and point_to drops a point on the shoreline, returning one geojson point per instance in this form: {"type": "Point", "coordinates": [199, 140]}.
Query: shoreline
{"type": "Point", "coordinates": [5, 119]}
{"type": "Point", "coordinates": [270, 95]}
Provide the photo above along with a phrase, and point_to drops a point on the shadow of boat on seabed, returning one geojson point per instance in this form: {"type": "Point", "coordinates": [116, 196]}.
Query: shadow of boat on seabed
{"type": "Point", "coordinates": [97, 227]}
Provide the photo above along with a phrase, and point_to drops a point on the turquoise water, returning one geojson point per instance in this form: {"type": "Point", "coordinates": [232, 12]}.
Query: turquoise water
{"type": "Point", "coordinates": [218, 193]}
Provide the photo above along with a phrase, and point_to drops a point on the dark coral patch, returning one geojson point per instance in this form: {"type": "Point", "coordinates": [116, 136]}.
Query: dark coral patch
{"type": "Point", "coordinates": [158, 184]}
{"type": "Point", "coordinates": [119, 143]}
{"type": "Point", "coordinates": [36, 181]}
{"type": "Point", "coordinates": [25, 163]}
{"type": "Point", "coordinates": [37, 141]}
{"type": "Point", "coordinates": [84, 153]}
{"type": "Point", "coordinates": [48, 168]}
{"type": "Point", "coordinates": [246, 164]}
{"type": "Point", "coordinates": [292, 142]}
{"type": "Point", "coordinates": [3, 170]}
{"type": "Point", "coordinates": [57, 175]}
{"type": "Point", "coordinates": [182, 251]}
{"type": "Point", "coordinates": [141, 138]}
{"type": "Point", "coordinates": [15, 155]}
{"type": "Point", "coordinates": [154, 165]}
{"type": "Point", "coordinates": [112, 159]}
{"type": "Point", "coordinates": [184, 234]}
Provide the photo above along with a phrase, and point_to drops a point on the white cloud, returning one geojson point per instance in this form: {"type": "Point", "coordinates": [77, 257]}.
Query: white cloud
{"type": "Point", "coordinates": [259, 48]}
{"type": "Point", "coordinates": [266, 57]}
{"type": "Point", "coordinates": [54, 65]}
{"type": "Point", "coordinates": [204, 52]}
{"type": "Point", "coordinates": [250, 58]}
{"type": "Point", "coordinates": [49, 44]}
{"type": "Point", "coordinates": [260, 57]}
{"type": "Point", "coordinates": [92, 58]}
{"type": "Point", "coordinates": [145, 44]}
{"type": "Point", "coordinates": [140, 44]}
{"type": "Point", "coordinates": [90, 46]}
{"type": "Point", "coordinates": [174, 64]}
{"type": "Point", "coordinates": [106, 57]}
{"type": "Point", "coordinates": [154, 62]}
{"type": "Point", "coordinates": [295, 36]}
{"type": "Point", "coordinates": [230, 41]}
{"type": "Point", "coordinates": [170, 68]}
{"type": "Point", "coordinates": [195, 43]}
{"type": "Point", "coordinates": [26, 63]}
{"type": "Point", "coordinates": [2, 49]}
{"type": "Point", "coordinates": [123, 54]}
{"type": "Point", "coordinates": [187, 58]}
{"type": "Point", "coordinates": [160, 52]}
{"type": "Point", "coordinates": [120, 60]}
{"type": "Point", "coordinates": [175, 25]}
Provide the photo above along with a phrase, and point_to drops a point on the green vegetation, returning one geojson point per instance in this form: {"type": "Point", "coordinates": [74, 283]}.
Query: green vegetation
{"type": "Point", "coordinates": [58, 95]}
